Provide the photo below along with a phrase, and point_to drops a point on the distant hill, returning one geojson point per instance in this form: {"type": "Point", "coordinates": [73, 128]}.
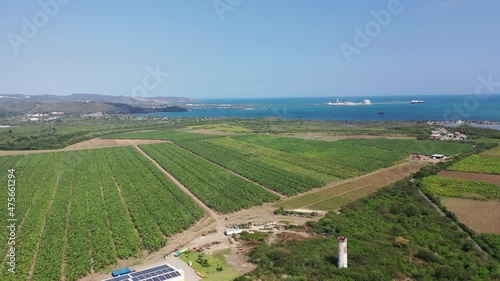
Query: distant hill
{"type": "Point", "coordinates": [97, 98]}
{"type": "Point", "coordinates": [11, 105]}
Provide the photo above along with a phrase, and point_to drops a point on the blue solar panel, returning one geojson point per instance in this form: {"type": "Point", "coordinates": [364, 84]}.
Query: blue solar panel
{"type": "Point", "coordinates": [157, 273]}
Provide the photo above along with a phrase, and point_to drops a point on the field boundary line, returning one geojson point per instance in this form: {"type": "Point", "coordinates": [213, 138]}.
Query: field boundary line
{"type": "Point", "coordinates": [336, 195]}
{"type": "Point", "coordinates": [31, 202]}
{"type": "Point", "coordinates": [491, 178]}
{"type": "Point", "coordinates": [105, 210]}
{"type": "Point", "coordinates": [37, 248]}
{"type": "Point", "coordinates": [24, 218]}
{"type": "Point", "coordinates": [346, 181]}
{"type": "Point", "coordinates": [184, 189]}
{"type": "Point", "coordinates": [125, 205]}
{"type": "Point", "coordinates": [65, 247]}
{"type": "Point", "coordinates": [232, 172]}
{"type": "Point", "coordinates": [147, 208]}
{"type": "Point", "coordinates": [393, 178]}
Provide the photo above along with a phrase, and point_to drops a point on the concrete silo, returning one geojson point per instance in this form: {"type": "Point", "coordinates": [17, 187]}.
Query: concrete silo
{"type": "Point", "coordinates": [342, 262]}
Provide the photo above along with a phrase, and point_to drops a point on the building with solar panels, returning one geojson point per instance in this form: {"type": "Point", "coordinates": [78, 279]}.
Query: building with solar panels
{"type": "Point", "coordinates": [156, 273]}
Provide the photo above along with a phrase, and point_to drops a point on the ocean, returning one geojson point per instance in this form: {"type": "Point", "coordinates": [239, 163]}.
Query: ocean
{"type": "Point", "coordinates": [393, 108]}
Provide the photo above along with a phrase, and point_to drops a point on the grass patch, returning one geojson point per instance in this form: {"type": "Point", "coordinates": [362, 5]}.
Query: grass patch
{"type": "Point", "coordinates": [495, 152]}
{"type": "Point", "coordinates": [211, 273]}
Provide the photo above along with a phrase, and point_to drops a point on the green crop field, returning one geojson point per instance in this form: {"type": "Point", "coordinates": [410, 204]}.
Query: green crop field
{"type": "Point", "coordinates": [362, 155]}
{"type": "Point", "coordinates": [216, 187]}
{"type": "Point", "coordinates": [80, 211]}
{"type": "Point", "coordinates": [169, 135]}
{"type": "Point", "coordinates": [478, 164]}
{"type": "Point", "coordinates": [316, 168]}
{"type": "Point", "coordinates": [461, 188]}
{"type": "Point", "coordinates": [266, 174]}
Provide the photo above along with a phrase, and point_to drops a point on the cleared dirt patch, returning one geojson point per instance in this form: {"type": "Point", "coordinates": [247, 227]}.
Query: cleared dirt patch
{"type": "Point", "coordinates": [495, 179]}
{"type": "Point", "coordinates": [335, 195]}
{"type": "Point", "coordinates": [312, 136]}
{"type": "Point", "coordinates": [481, 216]}
{"type": "Point", "coordinates": [89, 144]}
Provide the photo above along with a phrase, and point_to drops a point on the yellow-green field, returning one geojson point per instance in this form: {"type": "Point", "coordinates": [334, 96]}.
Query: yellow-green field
{"type": "Point", "coordinates": [337, 195]}
{"type": "Point", "coordinates": [495, 152]}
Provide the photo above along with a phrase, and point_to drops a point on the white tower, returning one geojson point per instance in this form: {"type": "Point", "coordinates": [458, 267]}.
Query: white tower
{"type": "Point", "coordinates": [342, 252]}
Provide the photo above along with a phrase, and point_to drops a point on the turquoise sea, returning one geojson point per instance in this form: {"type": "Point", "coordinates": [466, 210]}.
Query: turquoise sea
{"type": "Point", "coordinates": [439, 108]}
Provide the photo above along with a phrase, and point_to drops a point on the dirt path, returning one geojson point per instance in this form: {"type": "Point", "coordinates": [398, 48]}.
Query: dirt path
{"type": "Point", "coordinates": [340, 194]}
{"type": "Point", "coordinates": [65, 248]}
{"type": "Point", "coordinates": [209, 211]}
{"type": "Point", "coordinates": [494, 179]}
{"type": "Point", "coordinates": [236, 174]}
{"type": "Point", "coordinates": [90, 144]}
{"type": "Point", "coordinates": [37, 248]}
{"type": "Point", "coordinates": [381, 177]}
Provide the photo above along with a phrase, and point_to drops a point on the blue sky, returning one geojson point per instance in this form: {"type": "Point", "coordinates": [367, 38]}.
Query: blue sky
{"type": "Point", "coordinates": [248, 48]}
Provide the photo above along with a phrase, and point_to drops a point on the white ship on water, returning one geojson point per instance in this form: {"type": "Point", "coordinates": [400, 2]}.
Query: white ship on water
{"type": "Point", "coordinates": [416, 101]}
{"type": "Point", "coordinates": [348, 103]}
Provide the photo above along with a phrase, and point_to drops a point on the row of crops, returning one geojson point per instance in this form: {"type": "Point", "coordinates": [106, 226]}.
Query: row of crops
{"type": "Point", "coordinates": [313, 167]}
{"type": "Point", "coordinates": [270, 176]}
{"type": "Point", "coordinates": [80, 211]}
{"type": "Point", "coordinates": [35, 185]}
{"type": "Point", "coordinates": [478, 164]}
{"type": "Point", "coordinates": [365, 155]}
{"type": "Point", "coordinates": [216, 187]}
{"type": "Point", "coordinates": [461, 188]}
{"type": "Point", "coordinates": [156, 205]}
